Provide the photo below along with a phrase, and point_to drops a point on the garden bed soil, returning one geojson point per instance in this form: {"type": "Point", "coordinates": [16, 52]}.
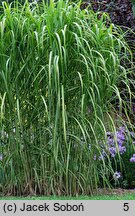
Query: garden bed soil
{"type": "Point", "coordinates": [117, 191]}
{"type": "Point", "coordinates": [120, 12]}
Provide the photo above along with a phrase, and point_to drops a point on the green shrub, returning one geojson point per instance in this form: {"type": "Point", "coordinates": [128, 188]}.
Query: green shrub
{"type": "Point", "coordinates": [128, 179]}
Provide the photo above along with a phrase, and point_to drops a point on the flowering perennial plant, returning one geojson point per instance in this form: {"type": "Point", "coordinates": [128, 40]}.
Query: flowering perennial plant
{"type": "Point", "coordinates": [132, 159]}
{"type": "Point", "coordinates": [116, 144]}
{"type": "Point", "coordinates": [116, 175]}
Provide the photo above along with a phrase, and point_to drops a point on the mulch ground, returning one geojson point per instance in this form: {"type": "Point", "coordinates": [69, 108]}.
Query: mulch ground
{"type": "Point", "coordinates": [120, 12]}
{"type": "Point", "coordinates": [118, 191]}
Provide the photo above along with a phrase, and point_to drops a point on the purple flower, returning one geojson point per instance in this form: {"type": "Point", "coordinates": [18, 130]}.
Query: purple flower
{"type": "Point", "coordinates": [95, 157]}
{"type": "Point", "coordinates": [132, 159]}
{"type": "Point", "coordinates": [103, 153]}
{"type": "Point", "coordinates": [110, 141]}
{"type": "Point", "coordinates": [122, 129]}
{"type": "Point", "coordinates": [122, 149]}
{"type": "Point", "coordinates": [120, 142]}
{"type": "Point", "coordinates": [120, 137]}
{"type": "Point", "coordinates": [112, 151]}
{"type": "Point", "coordinates": [121, 133]}
{"type": "Point", "coordinates": [116, 175]}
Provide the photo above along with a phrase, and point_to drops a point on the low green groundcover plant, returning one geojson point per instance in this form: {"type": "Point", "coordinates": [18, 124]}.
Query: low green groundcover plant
{"type": "Point", "coordinates": [128, 196]}
{"type": "Point", "coordinates": [61, 71]}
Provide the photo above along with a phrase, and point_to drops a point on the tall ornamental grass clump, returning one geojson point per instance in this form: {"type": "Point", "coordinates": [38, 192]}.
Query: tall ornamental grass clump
{"type": "Point", "coordinates": [60, 74]}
